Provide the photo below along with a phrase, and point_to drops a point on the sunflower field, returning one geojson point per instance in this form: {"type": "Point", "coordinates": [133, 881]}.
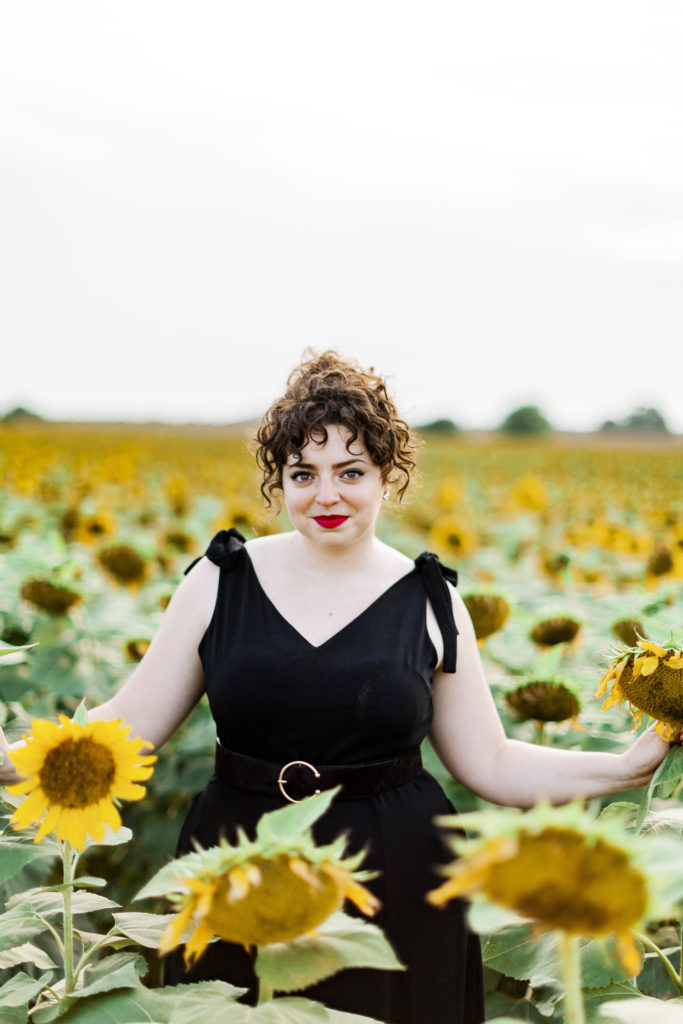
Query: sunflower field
{"type": "Point", "coordinates": [570, 560]}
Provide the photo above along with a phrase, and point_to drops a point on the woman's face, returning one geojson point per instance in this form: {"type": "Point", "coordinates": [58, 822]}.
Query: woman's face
{"type": "Point", "coordinates": [333, 494]}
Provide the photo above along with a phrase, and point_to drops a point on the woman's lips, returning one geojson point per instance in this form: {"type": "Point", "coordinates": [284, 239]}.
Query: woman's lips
{"type": "Point", "coordinates": [329, 522]}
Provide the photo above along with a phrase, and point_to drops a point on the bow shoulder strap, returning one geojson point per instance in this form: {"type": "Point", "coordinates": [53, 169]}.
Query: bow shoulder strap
{"type": "Point", "coordinates": [224, 550]}
{"type": "Point", "coordinates": [436, 578]}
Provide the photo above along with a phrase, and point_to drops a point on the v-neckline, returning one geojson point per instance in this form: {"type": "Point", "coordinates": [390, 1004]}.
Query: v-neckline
{"type": "Point", "coordinates": [317, 647]}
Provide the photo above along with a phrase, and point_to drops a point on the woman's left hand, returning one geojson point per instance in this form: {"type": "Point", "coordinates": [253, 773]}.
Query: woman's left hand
{"type": "Point", "coordinates": [645, 755]}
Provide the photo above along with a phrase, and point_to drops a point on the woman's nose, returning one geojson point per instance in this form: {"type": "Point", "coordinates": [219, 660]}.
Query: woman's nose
{"type": "Point", "coordinates": [327, 491]}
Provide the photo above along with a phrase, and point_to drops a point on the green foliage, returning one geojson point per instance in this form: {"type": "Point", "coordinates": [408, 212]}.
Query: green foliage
{"type": "Point", "coordinates": [526, 420]}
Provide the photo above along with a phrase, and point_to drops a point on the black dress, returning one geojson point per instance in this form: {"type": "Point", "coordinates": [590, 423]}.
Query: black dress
{"type": "Point", "coordinates": [363, 695]}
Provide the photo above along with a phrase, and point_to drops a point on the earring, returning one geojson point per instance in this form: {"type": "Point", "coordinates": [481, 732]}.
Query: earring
{"type": "Point", "coordinates": [386, 496]}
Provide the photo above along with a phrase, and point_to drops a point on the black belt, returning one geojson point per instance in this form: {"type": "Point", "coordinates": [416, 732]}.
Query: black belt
{"type": "Point", "coordinates": [298, 780]}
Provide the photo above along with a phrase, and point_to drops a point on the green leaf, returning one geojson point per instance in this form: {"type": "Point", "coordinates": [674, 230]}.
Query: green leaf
{"type": "Point", "coordinates": [80, 715]}
{"type": "Point", "coordinates": [18, 925]}
{"type": "Point", "coordinates": [14, 1014]}
{"type": "Point", "coordinates": [340, 1017]}
{"type": "Point", "coordinates": [120, 970]}
{"type": "Point", "coordinates": [520, 954]}
{"type": "Point", "coordinates": [643, 1010]}
{"type": "Point", "coordinates": [600, 966]}
{"type": "Point", "coordinates": [485, 918]}
{"type": "Point", "coordinates": [663, 782]}
{"type": "Point", "coordinates": [294, 819]}
{"type": "Point", "coordinates": [164, 881]}
{"type": "Point", "coordinates": [24, 954]}
{"type": "Point", "coordinates": [145, 929]}
{"type": "Point", "coordinates": [127, 1006]}
{"type": "Point", "coordinates": [15, 856]}
{"type": "Point", "coordinates": [213, 1001]}
{"type": "Point", "coordinates": [290, 1010]}
{"type": "Point", "coordinates": [49, 902]}
{"type": "Point", "coordinates": [340, 942]}
{"type": "Point", "coordinates": [15, 650]}
{"type": "Point", "coordinates": [20, 989]}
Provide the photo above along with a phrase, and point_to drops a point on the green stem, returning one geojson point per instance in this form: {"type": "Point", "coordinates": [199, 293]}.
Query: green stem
{"type": "Point", "coordinates": [265, 992]}
{"type": "Point", "coordinates": [540, 733]}
{"type": "Point", "coordinates": [571, 974]}
{"type": "Point", "coordinates": [67, 858]}
{"type": "Point", "coordinates": [668, 966]}
{"type": "Point", "coordinates": [95, 948]}
{"type": "Point", "coordinates": [680, 963]}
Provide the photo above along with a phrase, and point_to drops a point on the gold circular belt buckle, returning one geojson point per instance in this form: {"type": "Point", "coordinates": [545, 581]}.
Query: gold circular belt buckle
{"type": "Point", "coordinates": [281, 781]}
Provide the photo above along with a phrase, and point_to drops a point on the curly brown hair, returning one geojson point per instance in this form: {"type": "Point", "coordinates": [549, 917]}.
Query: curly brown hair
{"type": "Point", "coordinates": [324, 390]}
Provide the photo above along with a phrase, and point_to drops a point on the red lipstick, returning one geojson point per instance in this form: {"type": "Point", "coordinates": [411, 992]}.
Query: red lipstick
{"type": "Point", "coordinates": [329, 522]}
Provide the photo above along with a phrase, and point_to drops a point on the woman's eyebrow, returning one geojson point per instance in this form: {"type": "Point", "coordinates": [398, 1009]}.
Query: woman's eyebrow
{"type": "Point", "coordinates": [337, 465]}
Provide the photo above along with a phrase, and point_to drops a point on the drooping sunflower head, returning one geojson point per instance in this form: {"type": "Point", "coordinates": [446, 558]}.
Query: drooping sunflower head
{"type": "Point", "coordinates": [255, 892]}
{"type": "Point", "coordinates": [123, 562]}
{"type": "Point", "coordinates": [558, 630]}
{"type": "Point", "coordinates": [542, 700]}
{"type": "Point", "coordinates": [73, 775]}
{"type": "Point", "coordinates": [629, 631]}
{"type": "Point", "coordinates": [557, 866]}
{"type": "Point", "coordinates": [489, 613]}
{"type": "Point", "coordinates": [650, 677]}
{"type": "Point", "coordinates": [48, 596]}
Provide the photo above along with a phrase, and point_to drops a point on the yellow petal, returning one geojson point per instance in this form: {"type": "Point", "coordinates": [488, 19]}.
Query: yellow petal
{"type": "Point", "coordinates": [32, 809]}
{"type": "Point", "coordinates": [675, 661]}
{"type": "Point", "coordinates": [648, 645]}
{"type": "Point", "coordinates": [173, 932]}
{"type": "Point", "coordinates": [649, 665]}
{"type": "Point", "coordinates": [238, 884]}
{"type": "Point", "coordinates": [197, 943]}
{"type": "Point", "coordinates": [366, 901]}
{"type": "Point", "coordinates": [628, 953]}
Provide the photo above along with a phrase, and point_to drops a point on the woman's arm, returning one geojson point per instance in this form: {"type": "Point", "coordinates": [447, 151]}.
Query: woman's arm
{"type": "Point", "coordinates": [468, 737]}
{"type": "Point", "coordinates": [169, 680]}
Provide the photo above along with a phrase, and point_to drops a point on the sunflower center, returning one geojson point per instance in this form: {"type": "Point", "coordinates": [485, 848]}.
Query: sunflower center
{"type": "Point", "coordinates": [77, 773]}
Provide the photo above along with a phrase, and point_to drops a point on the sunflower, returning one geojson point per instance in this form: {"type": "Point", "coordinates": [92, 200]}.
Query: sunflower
{"type": "Point", "coordinates": [556, 866]}
{"type": "Point", "coordinates": [451, 537]}
{"type": "Point", "coordinates": [136, 648]}
{"type": "Point", "coordinates": [489, 613]}
{"type": "Point", "coordinates": [123, 562]}
{"type": "Point", "coordinates": [50, 597]}
{"type": "Point", "coordinates": [75, 772]}
{"type": "Point", "coordinates": [650, 678]}
{"type": "Point", "coordinates": [553, 631]}
{"type": "Point", "coordinates": [543, 701]}
{"type": "Point", "coordinates": [529, 494]}
{"type": "Point", "coordinates": [629, 631]}
{"type": "Point", "coordinates": [256, 892]}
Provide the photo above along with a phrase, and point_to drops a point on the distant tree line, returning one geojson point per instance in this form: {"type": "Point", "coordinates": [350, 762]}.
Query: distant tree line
{"type": "Point", "coordinates": [529, 421]}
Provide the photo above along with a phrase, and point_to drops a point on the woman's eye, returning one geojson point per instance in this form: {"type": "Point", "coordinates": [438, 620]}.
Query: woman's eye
{"type": "Point", "coordinates": [301, 476]}
{"type": "Point", "coordinates": [353, 474]}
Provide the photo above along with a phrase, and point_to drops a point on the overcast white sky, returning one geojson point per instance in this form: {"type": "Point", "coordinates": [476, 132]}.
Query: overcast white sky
{"type": "Point", "coordinates": [482, 198]}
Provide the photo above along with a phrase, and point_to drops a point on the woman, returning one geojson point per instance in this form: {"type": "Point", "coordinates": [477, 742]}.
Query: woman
{"type": "Point", "coordinates": [326, 646]}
